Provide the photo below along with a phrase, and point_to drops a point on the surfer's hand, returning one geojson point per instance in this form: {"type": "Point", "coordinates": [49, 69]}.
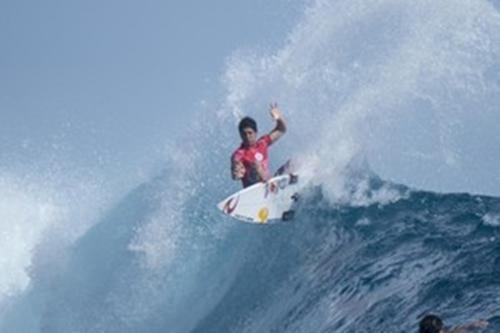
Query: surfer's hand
{"type": "Point", "coordinates": [280, 128]}
{"type": "Point", "coordinates": [238, 170]}
{"type": "Point", "coordinates": [275, 112]}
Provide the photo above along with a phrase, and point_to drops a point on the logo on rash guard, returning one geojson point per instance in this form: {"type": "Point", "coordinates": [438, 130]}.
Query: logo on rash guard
{"type": "Point", "coordinates": [259, 157]}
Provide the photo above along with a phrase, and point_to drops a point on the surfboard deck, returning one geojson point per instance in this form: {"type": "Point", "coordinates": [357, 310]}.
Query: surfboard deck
{"type": "Point", "coordinates": [262, 203]}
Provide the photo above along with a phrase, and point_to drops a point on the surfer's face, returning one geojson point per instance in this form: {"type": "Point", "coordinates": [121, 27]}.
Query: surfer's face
{"type": "Point", "coordinates": [249, 136]}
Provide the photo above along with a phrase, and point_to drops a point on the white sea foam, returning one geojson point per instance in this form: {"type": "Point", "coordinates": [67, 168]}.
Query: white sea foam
{"type": "Point", "coordinates": [25, 213]}
{"type": "Point", "coordinates": [491, 219]}
{"type": "Point", "coordinates": [39, 218]}
{"type": "Point", "coordinates": [405, 84]}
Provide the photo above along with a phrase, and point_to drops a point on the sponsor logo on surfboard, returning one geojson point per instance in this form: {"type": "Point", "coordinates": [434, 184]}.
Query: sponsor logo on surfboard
{"type": "Point", "coordinates": [231, 205]}
{"type": "Point", "coordinates": [263, 215]}
{"type": "Point", "coordinates": [271, 187]}
{"type": "Point", "coordinates": [244, 218]}
{"type": "Point", "coordinates": [275, 186]}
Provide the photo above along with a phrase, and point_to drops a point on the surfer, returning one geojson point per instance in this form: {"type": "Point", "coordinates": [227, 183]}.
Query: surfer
{"type": "Point", "coordinates": [250, 162]}
{"type": "Point", "coordinates": [434, 324]}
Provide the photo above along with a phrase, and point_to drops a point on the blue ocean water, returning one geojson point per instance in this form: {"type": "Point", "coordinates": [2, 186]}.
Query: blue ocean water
{"type": "Point", "coordinates": [373, 268]}
{"type": "Point", "coordinates": [335, 268]}
{"type": "Point", "coordinates": [393, 117]}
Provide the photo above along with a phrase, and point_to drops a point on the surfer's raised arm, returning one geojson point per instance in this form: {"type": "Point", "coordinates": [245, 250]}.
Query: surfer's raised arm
{"type": "Point", "coordinates": [280, 128]}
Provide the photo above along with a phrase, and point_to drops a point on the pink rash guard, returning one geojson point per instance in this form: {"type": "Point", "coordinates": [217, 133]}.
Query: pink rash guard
{"type": "Point", "coordinates": [249, 155]}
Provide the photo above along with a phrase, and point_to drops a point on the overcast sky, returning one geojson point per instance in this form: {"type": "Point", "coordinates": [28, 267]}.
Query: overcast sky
{"type": "Point", "coordinates": [121, 76]}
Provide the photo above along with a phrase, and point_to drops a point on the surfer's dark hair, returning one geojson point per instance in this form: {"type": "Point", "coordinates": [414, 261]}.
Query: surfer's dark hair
{"type": "Point", "coordinates": [431, 324]}
{"type": "Point", "coordinates": [247, 122]}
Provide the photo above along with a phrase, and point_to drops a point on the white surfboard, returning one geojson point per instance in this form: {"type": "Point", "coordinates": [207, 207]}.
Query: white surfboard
{"type": "Point", "coordinates": [271, 201]}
